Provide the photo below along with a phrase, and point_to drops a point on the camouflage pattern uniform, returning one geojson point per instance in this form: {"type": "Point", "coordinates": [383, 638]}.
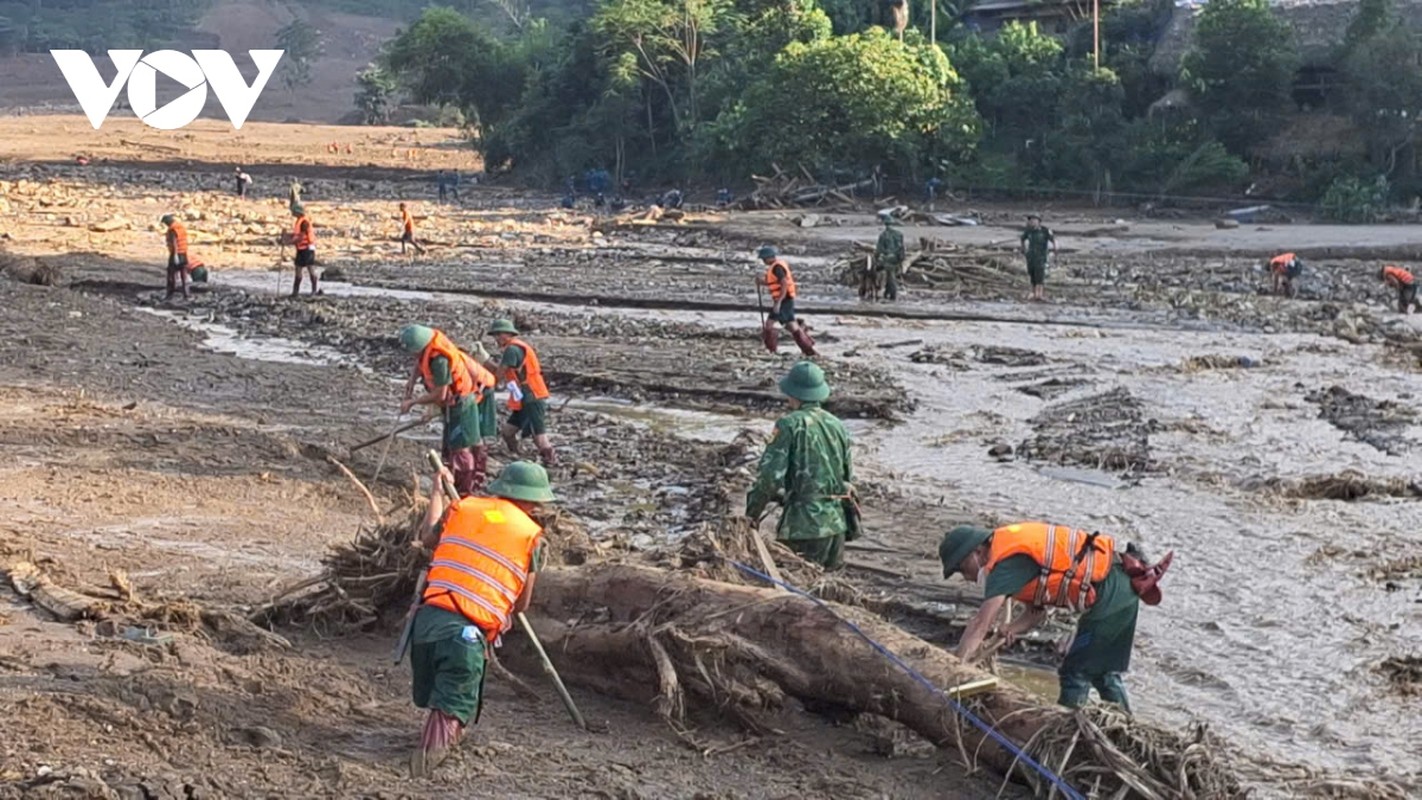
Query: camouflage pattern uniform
{"type": "Point", "coordinates": [889, 257]}
{"type": "Point", "coordinates": [806, 469]}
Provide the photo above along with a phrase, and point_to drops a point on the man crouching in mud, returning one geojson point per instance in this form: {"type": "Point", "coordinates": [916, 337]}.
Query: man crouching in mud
{"type": "Point", "coordinates": [1043, 565]}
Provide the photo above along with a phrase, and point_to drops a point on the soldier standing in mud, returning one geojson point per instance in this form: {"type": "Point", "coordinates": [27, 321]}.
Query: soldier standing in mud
{"type": "Point", "coordinates": [455, 383]}
{"type": "Point", "coordinates": [487, 552]}
{"type": "Point", "coordinates": [889, 254]}
{"type": "Point", "coordinates": [806, 469]}
{"type": "Point", "coordinates": [1406, 286]}
{"type": "Point", "coordinates": [522, 373]}
{"type": "Point", "coordinates": [781, 283]}
{"type": "Point", "coordinates": [176, 237]}
{"type": "Point", "coordinates": [1036, 240]}
{"type": "Point", "coordinates": [303, 238]}
{"type": "Point", "coordinates": [1042, 565]}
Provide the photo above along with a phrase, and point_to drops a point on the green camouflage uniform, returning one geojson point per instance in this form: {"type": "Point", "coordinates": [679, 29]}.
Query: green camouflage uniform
{"type": "Point", "coordinates": [889, 257]}
{"type": "Point", "coordinates": [1036, 239]}
{"type": "Point", "coordinates": [806, 469]}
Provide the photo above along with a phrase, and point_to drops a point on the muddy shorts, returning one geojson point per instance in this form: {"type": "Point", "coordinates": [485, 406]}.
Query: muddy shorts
{"type": "Point", "coordinates": [786, 314]}
{"type": "Point", "coordinates": [447, 673]}
{"type": "Point", "coordinates": [532, 419]}
{"type": "Point", "coordinates": [177, 262]}
{"type": "Point", "coordinates": [1037, 271]}
{"type": "Point", "coordinates": [408, 236]}
{"type": "Point", "coordinates": [461, 424]}
{"type": "Point", "coordinates": [305, 258]}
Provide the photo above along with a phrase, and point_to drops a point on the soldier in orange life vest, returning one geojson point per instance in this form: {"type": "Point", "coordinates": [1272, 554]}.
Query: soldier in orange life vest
{"type": "Point", "coordinates": [407, 231]}
{"type": "Point", "coordinates": [1406, 286]}
{"type": "Point", "coordinates": [177, 239]}
{"type": "Point", "coordinates": [303, 236]}
{"type": "Point", "coordinates": [487, 552]}
{"type": "Point", "coordinates": [1042, 565]}
{"type": "Point", "coordinates": [456, 384]}
{"type": "Point", "coordinates": [522, 373]}
{"type": "Point", "coordinates": [1285, 268]}
{"type": "Point", "coordinates": [781, 283]}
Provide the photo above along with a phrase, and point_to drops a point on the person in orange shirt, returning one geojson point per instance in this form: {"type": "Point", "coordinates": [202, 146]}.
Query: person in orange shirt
{"type": "Point", "coordinates": [1041, 566]}
{"type": "Point", "coordinates": [1406, 286]}
{"type": "Point", "coordinates": [407, 231]}
{"type": "Point", "coordinates": [177, 239]}
{"type": "Point", "coordinates": [1285, 268]}
{"type": "Point", "coordinates": [303, 236]}
{"type": "Point", "coordinates": [487, 553]}
{"type": "Point", "coordinates": [781, 284]}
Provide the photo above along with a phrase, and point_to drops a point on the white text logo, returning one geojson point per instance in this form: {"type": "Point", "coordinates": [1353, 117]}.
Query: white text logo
{"type": "Point", "coordinates": [203, 68]}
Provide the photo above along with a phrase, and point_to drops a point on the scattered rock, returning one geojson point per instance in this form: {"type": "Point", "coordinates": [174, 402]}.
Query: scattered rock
{"type": "Point", "coordinates": [260, 737]}
{"type": "Point", "coordinates": [333, 274]}
{"type": "Point", "coordinates": [111, 224]}
{"type": "Point", "coordinates": [1226, 224]}
{"type": "Point", "coordinates": [1002, 451]}
{"type": "Point", "coordinates": [1009, 356]}
{"type": "Point", "coordinates": [1403, 673]}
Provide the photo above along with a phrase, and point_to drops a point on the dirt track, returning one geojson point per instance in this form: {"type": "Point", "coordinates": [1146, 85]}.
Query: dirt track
{"type": "Point", "coordinates": [135, 447]}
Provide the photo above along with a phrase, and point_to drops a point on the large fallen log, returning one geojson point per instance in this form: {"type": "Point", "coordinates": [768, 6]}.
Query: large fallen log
{"type": "Point", "coordinates": [671, 639]}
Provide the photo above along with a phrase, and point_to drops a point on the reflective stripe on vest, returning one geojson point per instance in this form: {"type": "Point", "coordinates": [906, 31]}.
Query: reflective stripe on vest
{"type": "Point", "coordinates": [777, 291]}
{"type": "Point", "coordinates": [461, 382]}
{"type": "Point", "coordinates": [178, 238]}
{"type": "Point", "coordinates": [303, 233]}
{"type": "Point", "coordinates": [1069, 561]}
{"type": "Point", "coordinates": [1399, 276]}
{"type": "Point", "coordinates": [482, 561]}
{"type": "Point", "coordinates": [532, 378]}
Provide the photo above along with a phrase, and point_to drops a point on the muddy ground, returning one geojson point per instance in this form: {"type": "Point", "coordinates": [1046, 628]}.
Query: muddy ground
{"type": "Point", "coordinates": [187, 445]}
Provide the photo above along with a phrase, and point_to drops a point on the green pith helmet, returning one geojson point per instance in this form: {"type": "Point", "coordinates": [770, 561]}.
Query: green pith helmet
{"type": "Point", "coordinates": [168, 219]}
{"type": "Point", "coordinates": [298, 210]}
{"type": "Point", "coordinates": [522, 480]}
{"type": "Point", "coordinates": [766, 251]}
{"type": "Point", "coordinates": [957, 544]}
{"type": "Point", "coordinates": [805, 382]}
{"type": "Point", "coordinates": [415, 338]}
{"type": "Point", "coordinates": [503, 326]}
{"type": "Point", "coordinates": [199, 274]}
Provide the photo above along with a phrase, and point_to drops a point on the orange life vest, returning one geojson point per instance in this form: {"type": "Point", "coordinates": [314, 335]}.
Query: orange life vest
{"type": "Point", "coordinates": [461, 381]}
{"type": "Point", "coordinates": [408, 221]}
{"type": "Point", "coordinates": [779, 291]}
{"type": "Point", "coordinates": [303, 233]}
{"type": "Point", "coordinates": [1070, 560]}
{"type": "Point", "coordinates": [1397, 276]}
{"type": "Point", "coordinates": [482, 562]}
{"type": "Point", "coordinates": [178, 239]}
{"type": "Point", "coordinates": [1281, 263]}
{"type": "Point", "coordinates": [483, 378]}
{"type": "Point", "coordinates": [532, 379]}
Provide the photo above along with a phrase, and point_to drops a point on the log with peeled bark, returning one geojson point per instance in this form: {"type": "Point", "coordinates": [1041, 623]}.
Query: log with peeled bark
{"type": "Point", "coordinates": [671, 639]}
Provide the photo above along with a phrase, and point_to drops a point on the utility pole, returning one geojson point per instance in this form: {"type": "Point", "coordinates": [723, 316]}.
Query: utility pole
{"type": "Point", "coordinates": [1096, 32]}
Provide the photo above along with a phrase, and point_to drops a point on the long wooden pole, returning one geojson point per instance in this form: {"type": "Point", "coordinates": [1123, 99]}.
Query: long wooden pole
{"type": "Point", "coordinates": [933, 21]}
{"type": "Point", "coordinates": [1096, 32]}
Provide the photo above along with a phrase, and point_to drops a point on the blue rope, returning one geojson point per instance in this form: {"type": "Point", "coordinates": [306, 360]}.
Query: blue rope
{"type": "Point", "coordinates": [1007, 744]}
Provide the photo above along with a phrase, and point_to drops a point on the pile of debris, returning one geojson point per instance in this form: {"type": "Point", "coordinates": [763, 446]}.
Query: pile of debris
{"type": "Point", "coordinates": [947, 267]}
{"type": "Point", "coordinates": [788, 190]}
{"type": "Point", "coordinates": [1106, 431]}
{"type": "Point", "coordinates": [1379, 423]}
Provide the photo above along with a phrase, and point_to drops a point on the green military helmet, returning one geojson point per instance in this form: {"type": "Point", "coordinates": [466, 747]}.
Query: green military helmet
{"type": "Point", "coordinates": [522, 480]}
{"type": "Point", "coordinates": [298, 210]}
{"type": "Point", "coordinates": [766, 251]}
{"type": "Point", "coordinates": [168, 219]}
{"type": "Point", "coordinates": [199, 274]}
{"type": "Point", "coordinates": [503, 326]}
{"type": "Point", "coordinates": [805, 382]}
{"type": "Point", "coordinates": [958, 544]}
{"type": "Point", "coordinates": [415, 338]}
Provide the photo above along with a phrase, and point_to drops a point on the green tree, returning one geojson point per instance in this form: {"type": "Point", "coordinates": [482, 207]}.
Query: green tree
{"type": "Point", "coordinates": [667, 43]}
{"type": "Point", "coordinates": [302, 44]}
{"type": "Point", "coordinates": [374, 93]}
{"type": "Point", "coordinates": [446, 59]}
{"type": "Point", "coordinates": [1240, 69]}
{"type": "Point", "coordinates": [1382, 85]}
{"type": "Point", "coordinates": [852, 102]}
